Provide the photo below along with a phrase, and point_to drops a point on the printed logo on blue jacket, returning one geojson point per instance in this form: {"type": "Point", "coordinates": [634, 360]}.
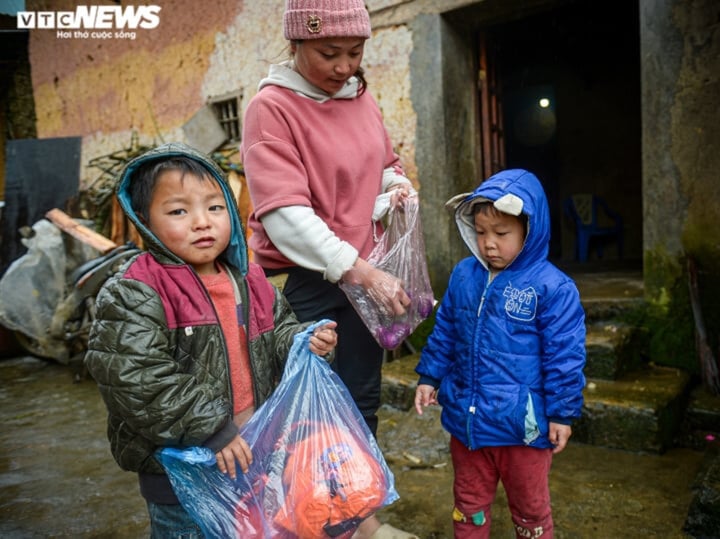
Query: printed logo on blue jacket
{"type": "Point", "coordinates": [520, 304]}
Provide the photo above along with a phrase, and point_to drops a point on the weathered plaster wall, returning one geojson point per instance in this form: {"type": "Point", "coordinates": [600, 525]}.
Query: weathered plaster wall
{"type": "Point", "coordinates": [695, 124]}
{"type": "Point", "coordinates": [695, 127]}
{"type": "Point", "coordinates": [446, 136]}
{"type": "Point", "coordinates": [387, 62]}
{"type": "Point", "coordinates": [244, 50]}
{"type": "Point", "coordinates": [664, 205]}
{"type": "Point", "coordinates": [103, 90]}
{"type": "Point", "coordinates": [681, 137]}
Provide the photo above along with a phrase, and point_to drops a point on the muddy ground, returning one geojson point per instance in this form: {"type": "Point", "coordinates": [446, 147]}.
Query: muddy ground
{"type": "Point", "coordinates": [58, 479]}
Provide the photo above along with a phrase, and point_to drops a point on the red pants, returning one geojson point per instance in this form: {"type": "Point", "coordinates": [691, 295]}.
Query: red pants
{"type": "Point", "coordinates": [524, 473]}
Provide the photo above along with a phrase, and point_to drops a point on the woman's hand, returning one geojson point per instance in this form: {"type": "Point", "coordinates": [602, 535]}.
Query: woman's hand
{"type": "Point", "coordinates": [400, 193]}
{"type": "Point", "coordinates": [384, 288]}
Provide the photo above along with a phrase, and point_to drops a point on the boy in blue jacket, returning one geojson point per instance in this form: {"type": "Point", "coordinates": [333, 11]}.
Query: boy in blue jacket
{"type": "Point", "coordinates": [506, 356]}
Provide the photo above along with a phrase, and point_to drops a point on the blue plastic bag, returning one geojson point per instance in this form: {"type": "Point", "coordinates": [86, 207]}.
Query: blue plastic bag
{"type": "Point", "coordinates": [317, 470]}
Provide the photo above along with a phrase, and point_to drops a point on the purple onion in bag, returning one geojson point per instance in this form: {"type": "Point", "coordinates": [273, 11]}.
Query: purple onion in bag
{"type": "Point", "coordinates": [425, 306]}
{"type": "Point", "coordinates": [391, 337]}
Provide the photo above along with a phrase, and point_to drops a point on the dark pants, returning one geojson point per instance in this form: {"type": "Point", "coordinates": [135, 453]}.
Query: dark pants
{"type": "Point", "coordinates": [172, 522]}
{"type": "Point", "coordinates": [524, 473]}
{"type": "Point", "coordinates": [358, 357]}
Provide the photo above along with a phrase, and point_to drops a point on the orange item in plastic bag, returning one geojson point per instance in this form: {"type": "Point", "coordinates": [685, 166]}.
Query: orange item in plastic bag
{"type": "Point", "coordinates": [331, 482]}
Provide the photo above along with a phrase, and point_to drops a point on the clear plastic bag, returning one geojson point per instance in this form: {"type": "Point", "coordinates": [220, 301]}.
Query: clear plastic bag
{"type": "Point", "coordinates": [33, 287]}
{"type": "Point", "coordinates": [317, 470]}
{"type": "Point", "coordinates": [400, 252]}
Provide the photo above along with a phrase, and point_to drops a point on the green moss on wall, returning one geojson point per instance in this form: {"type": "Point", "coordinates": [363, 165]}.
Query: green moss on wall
{"type": "Point", "coordinates": [669, 317]}
{"type": "Point", "coordinates": [707, 263]}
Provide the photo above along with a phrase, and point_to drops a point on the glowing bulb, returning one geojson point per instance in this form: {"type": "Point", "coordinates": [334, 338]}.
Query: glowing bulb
{"type": "Point", "coordinates": [544, 102]}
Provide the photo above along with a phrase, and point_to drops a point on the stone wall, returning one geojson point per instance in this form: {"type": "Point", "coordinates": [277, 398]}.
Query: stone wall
{"type": "Point", "coordinates": [681, 184]}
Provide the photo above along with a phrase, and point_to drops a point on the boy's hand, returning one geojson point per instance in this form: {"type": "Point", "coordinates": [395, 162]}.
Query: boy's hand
{"type": "Point", "coordinates": [324, 339]}
{"type": "Point", "coordinates": [237, 450]}
{"type": "Point", "coordinates": [559, 435]}
{"type": "Point", "coordinates": [425, 395]}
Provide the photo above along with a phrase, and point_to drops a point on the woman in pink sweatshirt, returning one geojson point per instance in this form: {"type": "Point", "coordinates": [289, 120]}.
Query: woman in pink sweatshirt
{"type": "Point", "coordinates": [321, 172]}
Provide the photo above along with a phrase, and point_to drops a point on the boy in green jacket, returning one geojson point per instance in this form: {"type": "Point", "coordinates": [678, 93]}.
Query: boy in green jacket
{"type": "Point", "coordinates": [190, 338]}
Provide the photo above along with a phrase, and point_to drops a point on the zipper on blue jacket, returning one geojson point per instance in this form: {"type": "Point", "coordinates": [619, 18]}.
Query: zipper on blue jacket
{"type": "Point", "coordinates": [482, 302]}
{"type": "Point", "coordinates": [472, 408]}
{"type": "Point", "coordinates": [482, 298]}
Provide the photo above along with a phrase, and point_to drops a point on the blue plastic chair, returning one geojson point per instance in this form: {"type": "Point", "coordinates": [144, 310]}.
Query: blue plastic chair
{"type": "Point", "coordinates": [584, 210]}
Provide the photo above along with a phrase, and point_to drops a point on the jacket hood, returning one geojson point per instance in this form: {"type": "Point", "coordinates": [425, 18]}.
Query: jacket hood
{"type": "Point", "coordinates": [236, 251]}
{"type": "Point", "coordinates": [512, 191]}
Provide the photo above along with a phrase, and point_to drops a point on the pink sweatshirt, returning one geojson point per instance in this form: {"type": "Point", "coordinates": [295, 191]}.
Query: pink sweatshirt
{"type": "Point", "coordinates": [329, 156]}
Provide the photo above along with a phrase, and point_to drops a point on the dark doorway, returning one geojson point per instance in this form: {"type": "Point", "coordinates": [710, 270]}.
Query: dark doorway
{"type": "Point", "coordinates": [569, 79]}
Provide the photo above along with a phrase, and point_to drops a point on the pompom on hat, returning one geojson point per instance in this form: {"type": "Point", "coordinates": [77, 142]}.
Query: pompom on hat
{"type": "Point", "coordinates": [315, 19]}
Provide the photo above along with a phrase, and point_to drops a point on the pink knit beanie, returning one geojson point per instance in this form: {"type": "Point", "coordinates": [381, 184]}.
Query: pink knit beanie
{"type": "Point", "coordinates": [314, 19]}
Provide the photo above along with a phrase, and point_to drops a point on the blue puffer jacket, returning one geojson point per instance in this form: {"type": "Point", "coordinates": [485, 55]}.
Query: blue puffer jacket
{"type": "Point", "coordinates": [507, 355]}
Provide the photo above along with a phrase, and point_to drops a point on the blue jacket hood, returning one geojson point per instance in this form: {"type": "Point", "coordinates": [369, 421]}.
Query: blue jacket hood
{"type": "Point", "coordinates": [512, 191]}
{"type": "Point", "coordinates": [236, 251]}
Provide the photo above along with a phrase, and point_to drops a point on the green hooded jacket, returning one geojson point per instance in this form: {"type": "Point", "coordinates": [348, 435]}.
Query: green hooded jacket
{"type": "Point", "coordinates": [157, 351]}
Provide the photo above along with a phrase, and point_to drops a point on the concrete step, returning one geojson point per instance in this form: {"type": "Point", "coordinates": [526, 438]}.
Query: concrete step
{"type": "Point", "coordinates": [641, 411]}
{"type": "Point", "coordinates": [702, 420]}
{"type": "Point", "coordinates": [399, 382]}
{"type": "Point", "coordinates": [703, 518]}
{"type": "Point", "coordinates": [610, 308]}
{"type": "Point", "coordinates": [701, 431]}
{"type": "Point", "coordinates": [614, 348]}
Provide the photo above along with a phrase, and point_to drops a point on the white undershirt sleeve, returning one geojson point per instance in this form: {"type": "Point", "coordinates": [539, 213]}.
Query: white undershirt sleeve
{"type": "Point", "coordinates": [382, 202]}
{"type": "Point", "coordinates": [304, 238]}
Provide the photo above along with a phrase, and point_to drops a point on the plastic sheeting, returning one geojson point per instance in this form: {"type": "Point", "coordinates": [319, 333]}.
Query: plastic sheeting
{"type": "Point", "coordinates": [34, 285]}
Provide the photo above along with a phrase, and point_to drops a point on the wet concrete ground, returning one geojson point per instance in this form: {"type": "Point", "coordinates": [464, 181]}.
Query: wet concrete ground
{"type": "Point", "coordinates": [58, 479]}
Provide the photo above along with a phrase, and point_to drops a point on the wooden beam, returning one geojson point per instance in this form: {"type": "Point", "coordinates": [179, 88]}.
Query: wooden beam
{"type": "Point", "coordinates": [67, 224]}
